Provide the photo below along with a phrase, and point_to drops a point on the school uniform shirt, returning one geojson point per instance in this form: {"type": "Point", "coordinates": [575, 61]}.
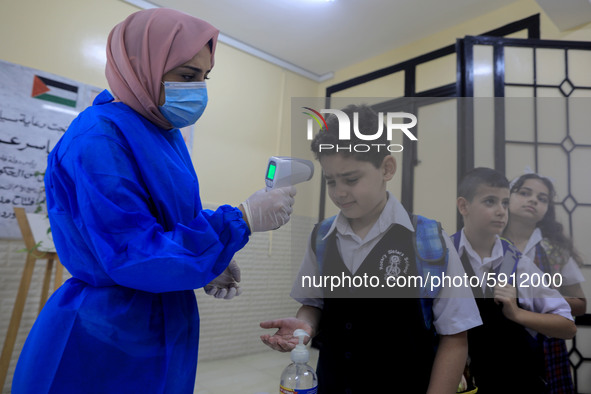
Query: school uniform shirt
{"type": "Point", "coordinates": [454, 310]}
{"type": "Point", "coordinates": [570, 272]}
{"type": "Point", "coordinates": [538, 299]}
{"type": "Point", "coordinates": [128, 224]}
{"type": "Point", "coordinates": [379, 339]}
{"type": "Point", "coordinates": [500, 341]}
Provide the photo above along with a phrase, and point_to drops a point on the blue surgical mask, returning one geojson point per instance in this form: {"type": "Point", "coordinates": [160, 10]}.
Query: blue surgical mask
{"type": "Point", "coordinates": [184, 102]}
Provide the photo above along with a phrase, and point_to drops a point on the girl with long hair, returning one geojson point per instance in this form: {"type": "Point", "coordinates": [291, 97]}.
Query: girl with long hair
{"type": "Point", "coordinates": [533, 228]}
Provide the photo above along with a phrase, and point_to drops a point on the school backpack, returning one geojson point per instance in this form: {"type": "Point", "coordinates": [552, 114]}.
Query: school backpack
{"type": "Point", "coordinates": [430, 251]}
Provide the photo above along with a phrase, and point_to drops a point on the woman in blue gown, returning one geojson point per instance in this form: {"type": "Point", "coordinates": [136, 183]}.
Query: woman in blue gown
{"type": "Point", "coordinates": [128, 224]}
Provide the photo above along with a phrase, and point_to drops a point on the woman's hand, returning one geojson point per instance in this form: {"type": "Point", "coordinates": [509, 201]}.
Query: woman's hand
{"type": "Point", "coordinates": [226, 284]}
{"type": "Point", "coordinates": [269, 210]}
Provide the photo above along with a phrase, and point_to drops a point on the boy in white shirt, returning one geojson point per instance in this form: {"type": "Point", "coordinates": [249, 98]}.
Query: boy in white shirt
{"type": "Point", "coordinates": [505, 354]}
{"type": "Point", "coordinates": [377, 344]}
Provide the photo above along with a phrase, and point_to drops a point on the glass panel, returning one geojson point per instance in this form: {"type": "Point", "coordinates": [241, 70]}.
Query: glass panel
{"type": "Point", "coordinates": [519, 119]}
{"type": "Point", "coordinates": [483, 71]}
{"type": "Point", "coordinates": [517, 158]}
{"type": "Point", "coordinates": [436, 73]}
{"type": "Point", "coordinates": [581, 93]}
{"type": "Point", "coordinates": [581, 220]}
{"type": "Point", "coordinates": [484, 131]}
{"type": "Point", "coordinates": [562, 217]}
{"type": "Point", "coordinates": [395, 185]}
{"type": "Point", "coordinates": [550, 66]}
{"type": "Point", "coordinates": [549, 92]}
{"type": "Point", "coordinates": [584, 337]}
{"type": "Point", "coordinates": [389, 86]}
{"type": "Point", "coordinates": [551, 114]}
{"type": "Point", "coordinates": [579, 120]}
{"type": "Point", "coordinates": [518, 91]}
{"type": "Point", "coordinates": [437, 163]}
{"type": "Point", "coordinates": [553, 163]}
{"type": "Point", "coordinates": [580, 185]}
{"type": "Point", "coordinates": [519, 65]}
{"type": "Point", "coordinates": [578, 67]}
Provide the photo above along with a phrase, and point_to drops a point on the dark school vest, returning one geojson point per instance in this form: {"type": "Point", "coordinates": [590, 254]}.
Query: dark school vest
{"type": "Point", "coordinates": [370, 340]}
{"type": "Point", "coordinates": [504, 357]}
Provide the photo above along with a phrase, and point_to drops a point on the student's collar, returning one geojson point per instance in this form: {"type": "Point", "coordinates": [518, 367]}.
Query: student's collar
{"type": "Point", "coordinates": [464, 244]}
{"type": "Point", "coordinates": [393, 213]}
{"type": "Point", "coordinates": [495, 256]}
{"type": "Point", "coordinates": [534, 239]}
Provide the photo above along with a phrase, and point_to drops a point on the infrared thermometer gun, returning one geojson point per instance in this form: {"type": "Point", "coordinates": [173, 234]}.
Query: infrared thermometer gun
{"type": "Point", "coordinates": [287, 171]}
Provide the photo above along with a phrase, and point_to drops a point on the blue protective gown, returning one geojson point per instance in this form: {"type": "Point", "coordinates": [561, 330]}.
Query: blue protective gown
{"type": "Point", "coordinates": [128, 224]}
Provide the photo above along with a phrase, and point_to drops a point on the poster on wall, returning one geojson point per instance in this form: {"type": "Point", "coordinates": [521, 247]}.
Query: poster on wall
{"type": "Point", "coordinates": [36, 108]}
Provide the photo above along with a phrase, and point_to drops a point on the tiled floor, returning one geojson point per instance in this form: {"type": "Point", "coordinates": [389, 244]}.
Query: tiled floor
{"type": "Point", "coordinates": [253, 374]}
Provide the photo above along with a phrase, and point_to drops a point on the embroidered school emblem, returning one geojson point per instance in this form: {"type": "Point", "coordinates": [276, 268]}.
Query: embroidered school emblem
{"type": "Point", "coordinates": [394, 263]}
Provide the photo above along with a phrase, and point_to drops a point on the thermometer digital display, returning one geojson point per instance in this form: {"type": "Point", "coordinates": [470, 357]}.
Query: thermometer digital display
{"type": "Point", "coordinates": [271, 171]}
{"type": "Point", "coordinates": [287, 171]}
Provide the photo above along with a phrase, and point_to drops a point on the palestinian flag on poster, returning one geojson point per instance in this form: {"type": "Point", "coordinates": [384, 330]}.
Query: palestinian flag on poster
{"type": "Point", "coordinates": [54, 91]}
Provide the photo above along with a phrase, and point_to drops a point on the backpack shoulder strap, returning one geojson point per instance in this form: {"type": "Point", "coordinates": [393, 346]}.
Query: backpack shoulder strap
{"type": "Point", "coordinates": [319, 242]}
{"type": "Point", "coordinates": [511, 256]}
{"type": "Point", "coordinates": [430, 251]}
{"type": "Point", "coordinates": [431, 257]}
{"type": "Point", "coordinates": [456, 240]}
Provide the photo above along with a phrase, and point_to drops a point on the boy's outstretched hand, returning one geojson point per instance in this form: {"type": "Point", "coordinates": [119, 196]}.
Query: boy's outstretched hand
{"type": "Point", "coordinates": [283, 340]}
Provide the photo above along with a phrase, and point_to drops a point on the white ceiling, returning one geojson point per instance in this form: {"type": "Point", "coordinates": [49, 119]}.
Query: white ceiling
{"type": "Point", "coordinates": [319, 37]}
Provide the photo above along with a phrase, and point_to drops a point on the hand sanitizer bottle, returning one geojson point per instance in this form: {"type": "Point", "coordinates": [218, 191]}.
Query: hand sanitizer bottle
{"type": "Point", "coordinates": [298, 377]}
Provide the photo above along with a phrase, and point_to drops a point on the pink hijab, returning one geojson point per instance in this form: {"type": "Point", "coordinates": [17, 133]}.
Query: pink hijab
{"type": "Point", "coordinates": [144, 47]}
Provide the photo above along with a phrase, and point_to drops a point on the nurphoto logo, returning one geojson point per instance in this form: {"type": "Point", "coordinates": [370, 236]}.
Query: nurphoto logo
{"type": "Point", "coordinates": [392, 123]}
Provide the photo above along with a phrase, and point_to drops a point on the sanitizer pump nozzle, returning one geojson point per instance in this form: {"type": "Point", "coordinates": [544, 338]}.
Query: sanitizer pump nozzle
{"type": "Point", "coordinates": [287, 171]}
{"type": "Point", "coordinates": [299, 377]}
{"type": "Point", "coordinates": [300, 354]}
